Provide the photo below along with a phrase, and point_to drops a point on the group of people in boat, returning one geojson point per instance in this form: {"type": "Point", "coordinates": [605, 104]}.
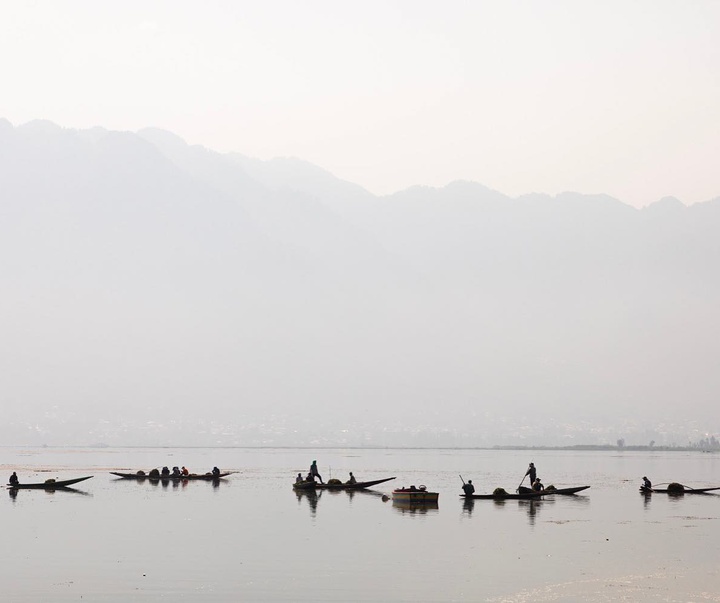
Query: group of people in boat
{"type": "Point", "coordinates": [535, 484]}
{"type": "Point", "coordinates": [314, 473]}
{"type": "Point", "coordinates": [178, 472]}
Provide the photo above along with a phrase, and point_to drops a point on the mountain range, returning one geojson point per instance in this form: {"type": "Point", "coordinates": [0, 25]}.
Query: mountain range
{"type": "Point", "coordinates": [157, 292]}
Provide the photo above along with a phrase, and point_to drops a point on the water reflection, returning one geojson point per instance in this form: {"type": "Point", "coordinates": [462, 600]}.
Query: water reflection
{"type": "Point", "coordinates": [414, 508]}
{"type": "Point", "coordinates": [312, 497]}
{"type": "Point", "coordinates": [532, 507]}
{"type": "Point", "coordinates": [13, 492]}
{"type": "Point", "coordinates": [468, 506]}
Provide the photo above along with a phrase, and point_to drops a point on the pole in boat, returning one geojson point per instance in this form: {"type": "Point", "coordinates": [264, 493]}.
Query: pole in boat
{"type": "Point", "coordinates": [523, 479]}
{"type": "Point", "coordinates": [463, 481]}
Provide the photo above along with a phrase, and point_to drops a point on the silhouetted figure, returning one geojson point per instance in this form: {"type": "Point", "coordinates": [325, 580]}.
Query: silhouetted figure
{"type": "Point", "coordinates": [310, 477]}
{"type": "Point", "coordinates": [352, 479]}
{"type": "Point", "coordinates": [314, 472]}
{"type": "Point", "coordinates": [185, 470]}
{"type": "Point", "coordinates": [647, 484]}
{"type": "Point", "coordinates": [537, 485]}
{"type": "Point", "coordinates": [299, 479]}
{"type": "Point", "coordinates": [468, 488]}
{"type": "Point", "coordinates": [176, 471]}
{"type": "Point", "coordinates": [165, 472]}
{"type": "Point", "coordinates": [532, 472]}
{"type": "Point", "coordinates": [216, 472]}
{"type": "Point", "coordinates": [14, 479]}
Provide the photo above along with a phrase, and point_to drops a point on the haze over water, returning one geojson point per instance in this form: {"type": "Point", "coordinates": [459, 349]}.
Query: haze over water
{"type": "Point", "coordinates": [252, 538]}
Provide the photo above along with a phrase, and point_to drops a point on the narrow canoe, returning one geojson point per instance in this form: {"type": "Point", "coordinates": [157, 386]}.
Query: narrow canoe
{"type": "Point", "coordinates": [685, 490]}
{"type": "Point", "coordinates": [526, 495]}
{"type": "Point", "coordinates": [305, 486]}
{"type": "Point", "coordinates": [355, 486]}
{"type": "Point", "coordinates": [156, 478]}
{"type": "Point", "coordinates": [415, 496]}
{"type": "Point", "coordinates": [54, 485]}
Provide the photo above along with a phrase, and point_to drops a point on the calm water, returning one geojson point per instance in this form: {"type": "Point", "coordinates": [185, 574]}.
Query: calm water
{"type": "Point", "coordinates": [253, 539]}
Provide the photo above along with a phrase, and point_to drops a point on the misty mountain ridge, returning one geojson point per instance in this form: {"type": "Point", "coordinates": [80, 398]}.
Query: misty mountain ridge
{"type": "Point", "coordinates": [164, 293]}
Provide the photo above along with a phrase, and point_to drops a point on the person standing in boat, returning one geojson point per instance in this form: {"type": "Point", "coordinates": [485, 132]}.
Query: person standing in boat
{"type": "Point", "coordinates": [468, 488]}
{"type": "Point", "coordinates": [314, 472]}
{"type": "Point", "coordinates": [14, 479]}
{"type": "Point", "coordinates": [537, 485]}
{"type": "Point", "coordinates": [352, 479]}
{"type": "Point", "coordinates": [647, 484]}
{"type": "Point", "coordinates": [532, 473]}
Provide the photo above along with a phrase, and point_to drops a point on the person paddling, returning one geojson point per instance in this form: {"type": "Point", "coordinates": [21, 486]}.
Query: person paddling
{"type": "Point", "coordinates": [468, 488]}
{"type": "Point", "coordinates": [647, 484]}
{"type": "Point", "coordinates": [532, 472]}
{"type": "Point", "coordinates": [14, 479]}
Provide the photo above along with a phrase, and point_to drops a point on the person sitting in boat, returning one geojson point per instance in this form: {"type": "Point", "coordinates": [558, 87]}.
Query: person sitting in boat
{"type": "Point", "coordinates": [216, 472]}
{"type": "Point", "coordinates": [532, 472]}
{"type": "Point", "coordinates": [647, 484]}
{"type": "Point", "coordinates": [185, 470]}
{"type": "Point", "coordinates": [537, 485]}
{"type": "Point", "coordinates": [165, 471]}
{"type": "Point", "coordinates": [310, 477]}
{"type": "Point", "coordinates": [352, 479]}
{"type": "Point", "coordinates": [299, 479]}
{"type": "Point", "coordinates": [315, 473]}
{"type": "Point", "coordinates": [468, 488]}
{"type": "Point", "coordinates": [14, 479]}
{"type": "Point", "coordinates": [176, 471]}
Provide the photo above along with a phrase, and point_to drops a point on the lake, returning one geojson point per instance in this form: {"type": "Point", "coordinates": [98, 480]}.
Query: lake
{"type": "Point", "coordinates": [252, 538]}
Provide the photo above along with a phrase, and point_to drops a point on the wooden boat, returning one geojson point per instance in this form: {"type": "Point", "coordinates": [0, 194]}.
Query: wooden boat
{"type": "Point", "coordinates": [419, 495]}
{"type": "Point", "coordinates": [685, 490]}
{"type": "Point", "coordinates": [526, 493]}
{"type": "Point", "coordinates": [305, 486]}
{"type": "Point", "coordinates": [355, 486]}
{"type": "Point", "coordinates": [49, 484]}
{"type": "Point", "coordinates": [157, 478]}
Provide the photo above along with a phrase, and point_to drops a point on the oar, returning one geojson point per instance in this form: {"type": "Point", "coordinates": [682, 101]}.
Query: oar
{"type": "Point", "coordinates": [521, 483]}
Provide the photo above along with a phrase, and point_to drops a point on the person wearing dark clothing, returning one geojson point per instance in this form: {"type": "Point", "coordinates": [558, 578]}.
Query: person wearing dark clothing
{"type": "Point", "coordinates": [647, 484]}
{"type": "Point", "coordinates": [165, 471]}
{"type": "Point", "coordinates": [468, 488]}
{"type": "Point", "coordinates": [532, 472]}
{"type": "Point", "coordinates": [299, 479]}
{"type": "Point", "coordinates": [216, 472]}
{"type": "Point", "coordinates": [352, 479]}
{"type": "Point", "coordinates": [14, 479]}
{"type": "Point", "coordinates": [314, 472]}
{"type": "Point", "coordinates": [537, 486]}
{"type": "Point", "coordinates": [176, 471]}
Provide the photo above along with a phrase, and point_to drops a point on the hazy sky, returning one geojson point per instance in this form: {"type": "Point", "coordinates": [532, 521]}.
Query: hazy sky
{"type": "Point", "coordinates": [616, 97]}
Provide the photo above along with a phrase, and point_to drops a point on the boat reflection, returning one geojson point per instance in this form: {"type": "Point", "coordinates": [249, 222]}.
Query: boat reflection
{"type": "Point", "coordinates": [14, 491]}
{"type": "Point", "coordinates": [414, 508]}
{"type": "Point", "coordinates": [468, 506]}
{"type": "Point", "coordinates": [312, 497]}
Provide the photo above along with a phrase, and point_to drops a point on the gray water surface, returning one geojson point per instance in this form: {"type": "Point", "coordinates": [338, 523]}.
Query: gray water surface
{"type": "Point", "coordinates": [252, 538]}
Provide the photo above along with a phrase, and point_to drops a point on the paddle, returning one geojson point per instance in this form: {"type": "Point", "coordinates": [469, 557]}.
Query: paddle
{"type": "Point", "coordinates": [461, 479]}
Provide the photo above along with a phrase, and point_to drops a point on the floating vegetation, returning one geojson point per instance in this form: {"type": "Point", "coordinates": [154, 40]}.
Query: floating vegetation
{"type": "Point", "coordinates": [334, 482]}
{"type": "Point", "coordinates": [675, 488]}
{"type": "Point", "coordinates": [499, 492]}
{"type": "Point", "coordinates": [550, 488]}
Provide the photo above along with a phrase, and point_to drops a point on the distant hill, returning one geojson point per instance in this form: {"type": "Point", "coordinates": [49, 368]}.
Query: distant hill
{"type": "Point", "coordinates": [151, 286]}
